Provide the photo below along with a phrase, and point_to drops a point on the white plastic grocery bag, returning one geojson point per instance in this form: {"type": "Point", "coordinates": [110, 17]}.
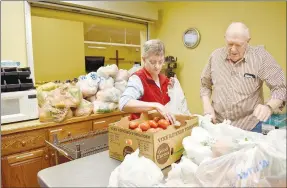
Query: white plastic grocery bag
{"type": "Point", "coordinates": [178, 103]}
{"type": "Point", "coordinates": [136, 171]}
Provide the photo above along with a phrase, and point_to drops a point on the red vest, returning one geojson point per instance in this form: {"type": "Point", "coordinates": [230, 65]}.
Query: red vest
{"type": "Point", "coordinates": [152, 93]}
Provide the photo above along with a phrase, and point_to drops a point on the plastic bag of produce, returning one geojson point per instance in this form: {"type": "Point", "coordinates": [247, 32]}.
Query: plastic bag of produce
{"type": "Point", "coordinates": [104, 107]}
{"type": "Point", "coordinates": [106, 83]}
{"type": "Point", "coordinates": [122, 75]}
{"type": "Point", "coordinates": [136, 171]}
{"type": "Point", "coordinates": [66, 95]}
{"type": "Point", "coordinates": [47, 113]}
{"type": "Point", "coordinates": [69, 114]}
{"type": "Point", "coordinates": [239, 158]}
{"type": "Point", "coordinates": [84, 109]}
{"type": "Point", "coordinates": [91, 98]}
{"type": "Point", "coordinates": [108, 71]}
{"type": "Point", "coordinates": [43, 91]}
{"type": "Point", "coordinates": [121, 85]}
{"type": "Point", "coordinates": [182, 174]}
{"type": "Point", "coordinates": [42, 97]}
{"type": "Point", "coordinates": [247, 167]}
{"type": "Point", "coordinates": [109, 95]}
{"type": "Point", "coordinates": [48, 86]}
{"type": "Point", "coordinates": [86, 89]}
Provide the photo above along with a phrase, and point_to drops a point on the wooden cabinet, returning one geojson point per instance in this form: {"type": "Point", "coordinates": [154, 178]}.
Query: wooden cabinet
{"type": "Point", "coordinates": [24, 153]}
{"type": "Point", "coordinates": [20, 170]}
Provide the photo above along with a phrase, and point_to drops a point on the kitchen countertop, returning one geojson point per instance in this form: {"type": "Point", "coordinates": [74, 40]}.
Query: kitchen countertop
{"type": "Point", "coordinates": [90, 171]}
{"type": "Point", "coordinates": [36, 124]}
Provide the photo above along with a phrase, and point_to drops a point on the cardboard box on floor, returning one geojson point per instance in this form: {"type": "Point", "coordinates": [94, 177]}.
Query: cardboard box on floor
{"type": "Point", "coordinates": [163, 147]}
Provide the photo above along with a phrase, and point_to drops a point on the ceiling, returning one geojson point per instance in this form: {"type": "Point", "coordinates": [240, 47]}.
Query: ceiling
{"type": "Point", "coordinates": [110, 33]}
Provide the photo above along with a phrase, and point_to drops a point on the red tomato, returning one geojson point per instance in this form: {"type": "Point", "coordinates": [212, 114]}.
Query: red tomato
{"type": "Point", "coordinates": [144, 126]}
{"type": "Point", "coordinates": [163, 123]}
{"type": "Point", "coordinates": [133, 125]}
{"type": "Point", "coordinates": [152, 124]}
{"type": "Point", "coordinates": [138, 129]}
{"type": "Point", "coordinates": [156, 119]}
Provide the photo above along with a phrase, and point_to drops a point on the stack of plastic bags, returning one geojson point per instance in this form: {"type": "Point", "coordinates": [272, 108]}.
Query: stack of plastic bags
{"type": "Point", "coordinates": [104, 87]}
{"type": "Point", "coordinates": [217, 156]}
{"type": "Point", "coordinates": [97, 92]}
{"type": "Point", "coordinates": [60, 101]}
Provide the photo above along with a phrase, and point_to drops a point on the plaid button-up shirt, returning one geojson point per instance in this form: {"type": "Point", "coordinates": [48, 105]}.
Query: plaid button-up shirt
{"type": "Point", "coordinates": [236, 88]}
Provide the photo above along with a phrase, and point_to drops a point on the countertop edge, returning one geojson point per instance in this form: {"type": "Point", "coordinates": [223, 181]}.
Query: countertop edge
{"type": "Point", "coordinates": [36, 124]}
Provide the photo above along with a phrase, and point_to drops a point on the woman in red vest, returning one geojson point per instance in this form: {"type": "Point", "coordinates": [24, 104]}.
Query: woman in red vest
{"type": "Point", "coordinates": [147, 88]}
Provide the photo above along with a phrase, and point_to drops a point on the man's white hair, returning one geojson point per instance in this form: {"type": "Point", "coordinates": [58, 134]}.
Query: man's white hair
{"type": "Point", "coordinates": [153, 47]}
{"type": "Point", "coordinates": [238, 29]}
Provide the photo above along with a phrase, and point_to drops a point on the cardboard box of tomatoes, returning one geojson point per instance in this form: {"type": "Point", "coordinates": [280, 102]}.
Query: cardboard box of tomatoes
{"type": "Point", "coordinates": [153, 135]}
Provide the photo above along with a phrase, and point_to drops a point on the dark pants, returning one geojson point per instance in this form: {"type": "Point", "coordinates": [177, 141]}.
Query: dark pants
{"type": "Point", "coordinates": [258, 127]}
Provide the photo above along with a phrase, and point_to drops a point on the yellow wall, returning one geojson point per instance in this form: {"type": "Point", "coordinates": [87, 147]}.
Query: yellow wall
{"type": "Point", "coordinates": [53, 17]}
{"type": "Point", "coordinates": [13, 35]}
{"type": "Point", "coordinates": [58, 49]}
{"type": "Point", "coordinates": [129, 54]}
{"type": "Point", "coordinates": [266, 20]}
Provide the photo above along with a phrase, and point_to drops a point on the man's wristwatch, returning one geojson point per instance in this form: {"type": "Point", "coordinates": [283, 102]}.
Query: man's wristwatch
{"type": "Point", "coordinates": [271, 109]}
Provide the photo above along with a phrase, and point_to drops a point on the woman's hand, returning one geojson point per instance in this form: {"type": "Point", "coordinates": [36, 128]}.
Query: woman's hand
{"type": "Point", "coordinates": [164, 112]}
{"type": "Point", "coordinates": [171, 82]}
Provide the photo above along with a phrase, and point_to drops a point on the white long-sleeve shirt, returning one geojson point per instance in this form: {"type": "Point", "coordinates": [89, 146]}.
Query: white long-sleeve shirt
{"type": "Point", "coordinates": [134, 90]}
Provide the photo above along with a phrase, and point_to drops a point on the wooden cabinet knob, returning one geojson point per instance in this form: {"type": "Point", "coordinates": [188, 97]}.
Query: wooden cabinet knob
{"type": "Point", "coordinates": [53, 154]}
{"type": "Point", "coordinates": [69, 133]}
{"type": "Point", "coordinates": [23, 143]}
{"type": "Point", "coordinates": [46, 157]}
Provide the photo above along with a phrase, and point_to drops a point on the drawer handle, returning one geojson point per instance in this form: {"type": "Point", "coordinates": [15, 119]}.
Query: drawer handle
{"type": "Point", "coordinates": [24, 156]}
{"type": "Point", "coordinates": [69, 133]}
{"type": "Point", "coordinates": [56, 130]}
{"type": "Point", "coordinates": [23, 143]}
{"type": "Point", "coordinates": [46, 157]}
{"type": "Point", "coordinates": [98, 122]}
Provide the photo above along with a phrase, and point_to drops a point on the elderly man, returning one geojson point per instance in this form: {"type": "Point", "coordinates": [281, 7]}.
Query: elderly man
{"type": "Point", "coordinates": [234, 77]}
{"type": "Point", "coordinates": [147, 88]}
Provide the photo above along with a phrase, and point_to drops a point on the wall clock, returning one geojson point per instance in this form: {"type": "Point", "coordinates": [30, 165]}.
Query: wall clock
{"type": "Point", "coordinates": [191, 38]}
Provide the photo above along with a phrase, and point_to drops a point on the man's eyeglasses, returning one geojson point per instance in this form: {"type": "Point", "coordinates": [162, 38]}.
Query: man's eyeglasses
{"type": "Point", "coordinates": [236, 45]}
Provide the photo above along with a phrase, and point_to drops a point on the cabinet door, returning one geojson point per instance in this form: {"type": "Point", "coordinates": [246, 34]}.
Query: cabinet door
{"type": "Point", "coordinates": [21, 170]}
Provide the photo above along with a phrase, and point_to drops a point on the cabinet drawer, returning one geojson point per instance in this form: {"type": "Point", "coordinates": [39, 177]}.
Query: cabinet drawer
{"type": "Point", "coordinates": [22, 142]}
{"type": "Point", "coordinates": [104, 122]}
{"type": "Point", "coordinates": [27, 156]}
{"type": "Point", "coordinates": [70, 130]}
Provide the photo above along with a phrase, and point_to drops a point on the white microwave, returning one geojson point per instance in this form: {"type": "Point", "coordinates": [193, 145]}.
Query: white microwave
{"type": "Point", "coordinates": [19, 106]}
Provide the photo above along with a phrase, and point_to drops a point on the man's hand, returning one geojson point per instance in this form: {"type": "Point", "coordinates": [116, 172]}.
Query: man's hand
{"type": "Point", "coordinates": [164, 112]}
{"type": "Point", "coordinates": [262, 112]}
{"type": "Point", "coordinates": [208, 109]}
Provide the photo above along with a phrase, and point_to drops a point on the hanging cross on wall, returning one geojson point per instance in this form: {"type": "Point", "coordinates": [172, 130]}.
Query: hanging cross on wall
{"type": "Point", "coordinates": [117, 58]}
